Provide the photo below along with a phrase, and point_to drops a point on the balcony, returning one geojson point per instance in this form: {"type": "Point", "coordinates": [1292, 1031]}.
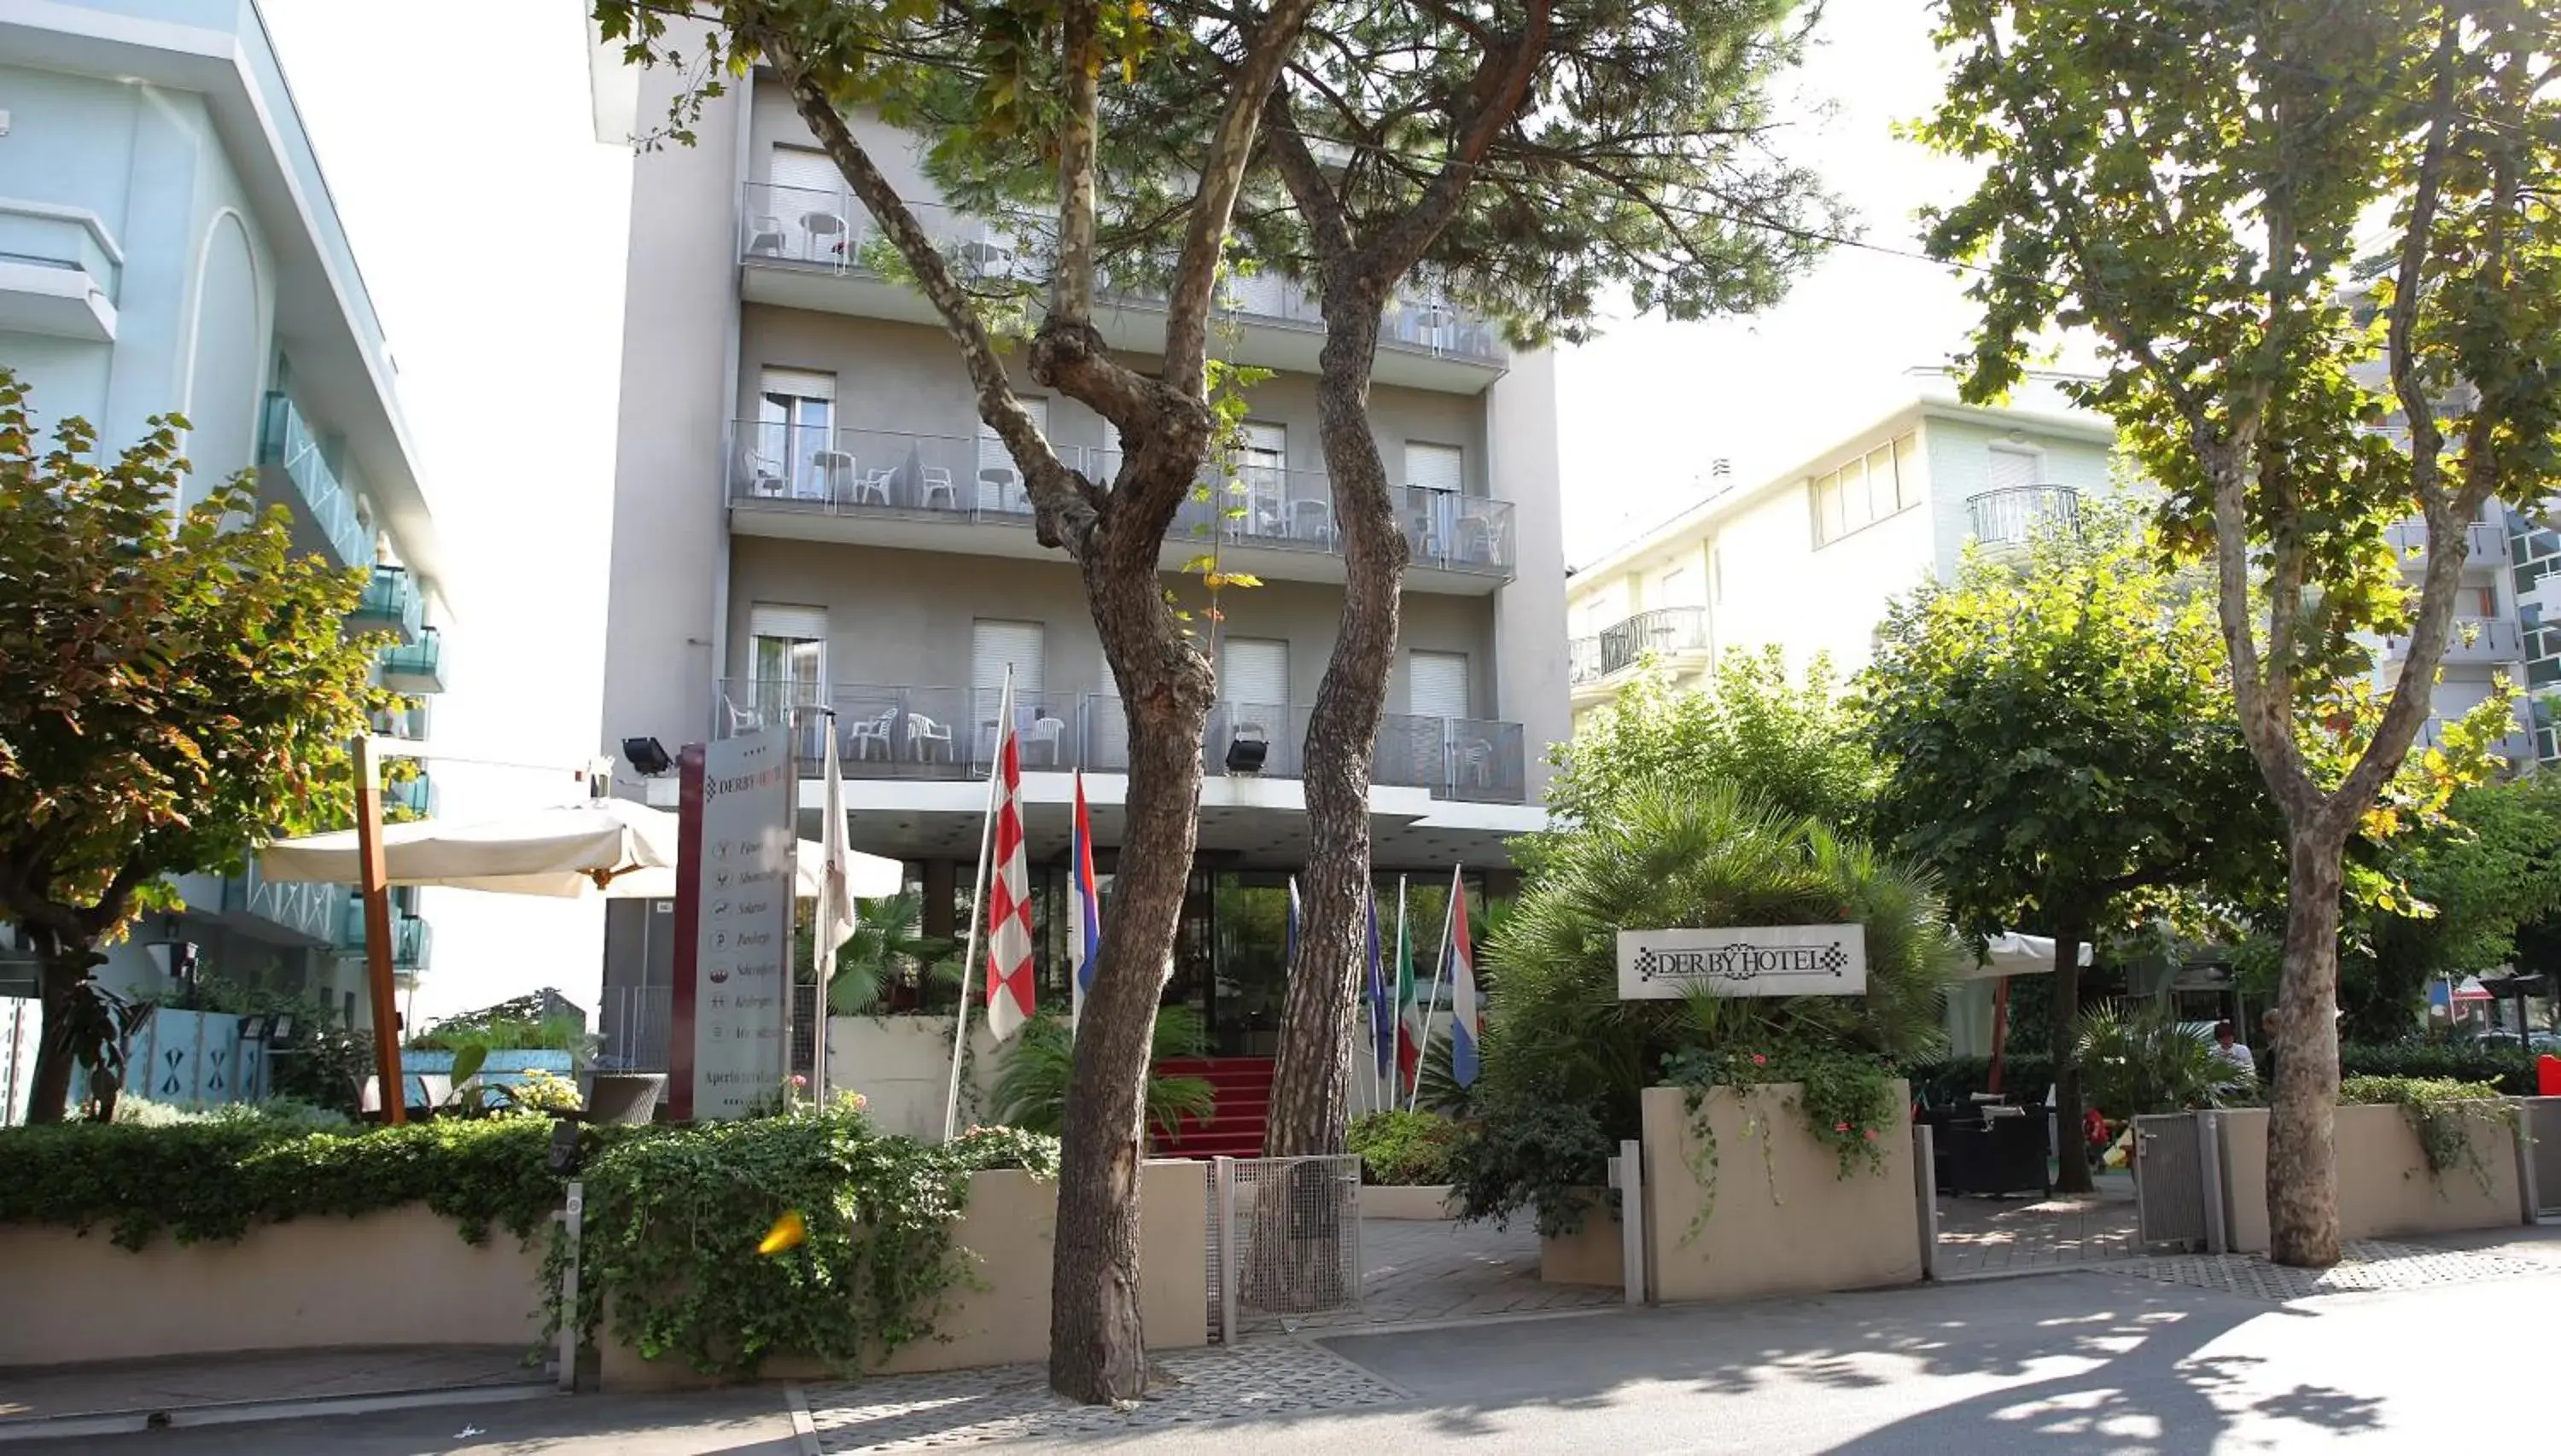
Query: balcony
{"type": "Point", "coordinates": [942, 493]}
{"type": "Point", "coordinates": [1583, 661]}
{"type": "Point", "coordinates": [2485, 546]}
{"type": "Point", "coordinates": [2009, 519]}
{"type": "Point", "coordinates": [412, 718]}
{"type": "Point", "coordinates": [417, 667]}
{"type": "Point", "coordinates": [306, 911]}
{"type": "Point", "coordinates": [2517, 746]}
{"type": "Point", "coordinates": [889, 732]}
{"type": "Point", "coordinates": [288, 448]}
{"type": "Point", "coordinates": [412, 939]}
{"type": "Point", "coordinates": [392, 603]}
{"type": "Point", "coordinates": [1665, 632]}
{"type": "Point", "coordinates": [819, 248]}
{"type": "Point", "coordinates": [2470, 643]}
{"type": "Point", "coordinates": [60, 270]}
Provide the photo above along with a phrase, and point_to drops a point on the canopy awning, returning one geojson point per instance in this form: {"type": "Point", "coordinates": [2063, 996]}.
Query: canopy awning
{"type": "Point", "coordinates": [2013, 954]}
{"type": "Point", "coordinates": [607, 848]}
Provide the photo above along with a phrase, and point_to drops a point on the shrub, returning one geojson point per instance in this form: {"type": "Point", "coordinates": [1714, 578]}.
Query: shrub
{"type": "Point", "coordinates": [1031, 1089]}
{"type": "Point", "coordinates": [1544, 1156]}
{"type": "Point", "coordinates": [1403, 1148]}
{"type": "Point", "coordinates": [2442, 1113]}
{"type": "Point", "coordinates": [2136, 1060]}
{"type": "Point", "coordinates": [2505, 1065]}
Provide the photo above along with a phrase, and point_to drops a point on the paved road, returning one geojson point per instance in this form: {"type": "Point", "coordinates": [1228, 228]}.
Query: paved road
{"type": "Point", "coordinates": [2067, 1363]}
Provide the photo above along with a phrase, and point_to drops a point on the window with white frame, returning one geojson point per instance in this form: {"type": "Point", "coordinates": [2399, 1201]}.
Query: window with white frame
{"type": "Point", "coordinates": [1866, 490]}
{"type": "Point", "coordinates": [1254, 670]}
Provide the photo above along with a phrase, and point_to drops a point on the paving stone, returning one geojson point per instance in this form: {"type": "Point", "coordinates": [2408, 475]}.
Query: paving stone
{"type": "Point", "coordinates": [1014, 1402]}
{"type": "Point", "coordinates": [2365, 1265]}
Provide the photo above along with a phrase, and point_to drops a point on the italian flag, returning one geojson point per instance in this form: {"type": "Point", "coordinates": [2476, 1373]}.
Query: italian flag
{"type": "Point", "coordinates": [1409, 1006]}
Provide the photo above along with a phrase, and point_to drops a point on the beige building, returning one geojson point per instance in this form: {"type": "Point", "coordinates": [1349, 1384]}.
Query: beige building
{"type": "Point", "coordinates": [808, 513]}
{"type": "Point", "coordinates": [1809, 559]}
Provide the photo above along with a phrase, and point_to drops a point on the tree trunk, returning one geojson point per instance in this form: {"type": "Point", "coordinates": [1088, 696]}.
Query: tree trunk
{"type": "Point", "coordinates": [1312, 1078]}
{"type": "Point", "coordinates": [2303, 1160]}
{"type": "Point", "coordinates": [1097, 1344]}
{"type": "Point", "coordinates": [2071, 1160]}
{"type": "Point", "coordinates": [66, 965]}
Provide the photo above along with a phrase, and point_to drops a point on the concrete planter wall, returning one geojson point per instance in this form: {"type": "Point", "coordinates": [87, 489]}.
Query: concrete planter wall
{"type": "Point", "coordinates": [403, 1276]}
{"type": "Point", "coordinates": [2384, 1187]}
{"type": "Point", "coordinates": [1413, 1203]}
{"type": "Point", "coordinates": [1009, 1231]}
{"type": "Point", "coordinates": [1819, 1234]}
{"type": "Point", "coordinates": [902, 1066]}
{"type": "Point", "coordinates": [1592, 1255]}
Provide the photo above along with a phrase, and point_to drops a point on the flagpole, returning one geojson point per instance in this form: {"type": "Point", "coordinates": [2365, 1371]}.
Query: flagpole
{"type": "Point", "coordinates": [1396, 1064]}
{"type": "Point", "coordinates": [1448, 922]}
{"type": "Point", "coordinates": [977, 911]}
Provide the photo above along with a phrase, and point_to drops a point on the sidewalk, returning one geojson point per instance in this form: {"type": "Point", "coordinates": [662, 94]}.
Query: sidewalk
{"type": "Point", "coordinates": [48, 1401]}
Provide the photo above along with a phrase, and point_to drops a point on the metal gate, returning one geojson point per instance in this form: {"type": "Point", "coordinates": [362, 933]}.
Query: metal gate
{"type": "Point", "coordinates": [2170, 1171]}
{"type": "Point", "coordinates": [2540, 1124]}
{"type": "Point", "coordinates": [1285, 1238]}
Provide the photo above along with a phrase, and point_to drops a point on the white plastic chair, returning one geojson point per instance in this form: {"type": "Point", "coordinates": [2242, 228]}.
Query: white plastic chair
{"type": "Point", "coordinates": [922, 733]}
{"type": "Point", "coordinates": [1044, 733]}
{"type": "Point", "coordinates": [869, 730]}
{"type": "Point", "coordinates": [1311, 521]}
{"type": "Point", "coordinates": [763, 473]}
{"type": "Point", "coordinates": [938, 485]}
{"type": "Point", "coordinates": [872, 486]}
{"type": "Point", "coordinates": [764, 237]}
{"type": "Point", "coordinates": [1002, 483]}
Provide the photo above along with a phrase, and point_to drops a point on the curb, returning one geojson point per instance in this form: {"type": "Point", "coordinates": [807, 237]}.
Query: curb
{"type": "Point", "coordinates": [803, 1426]}
{"type": "Point", "coordinates": [243, 1412]}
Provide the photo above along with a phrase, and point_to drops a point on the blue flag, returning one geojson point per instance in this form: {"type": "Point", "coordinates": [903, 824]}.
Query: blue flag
{"type": "Point", "coordinates": [1382, 1019]}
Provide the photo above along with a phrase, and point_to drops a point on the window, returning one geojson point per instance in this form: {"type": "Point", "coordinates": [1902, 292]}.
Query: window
{"type": "Point", "coordinates": [1673, 588]}
{"type": "Point", "coordinates": [1259, 467]}
{"type": "Point", "coordinates": [2013, 469]}
{"type": "Point", "coordinates": [1436, 468]}
{"type": "Point", "coordinates": [1000, 485]}
{"type": "Point", "coordinates": [789, 645]}
{"type": "Point", "coordinates": [795, 416]}
{"type": "Point", "coordinates": [1254, 670]}
{"type": "Point", "coordinates": [995, 646]}
{"type": "Point", "coordinates": [1866, 490]}
{"type": "Point", "coordinates": [1436, 685]}
{"type": "Point", "coordinates": [805, 213]}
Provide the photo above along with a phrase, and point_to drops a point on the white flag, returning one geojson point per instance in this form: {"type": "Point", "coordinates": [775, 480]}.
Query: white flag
{"type": "Point", "coordinates": [835, 911]}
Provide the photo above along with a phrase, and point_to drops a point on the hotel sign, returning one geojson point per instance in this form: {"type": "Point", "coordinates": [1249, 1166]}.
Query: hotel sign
{"type": "Point", "coordinates": [1747, 960]}
{"type": "Point", "coordinates": [733, 908]}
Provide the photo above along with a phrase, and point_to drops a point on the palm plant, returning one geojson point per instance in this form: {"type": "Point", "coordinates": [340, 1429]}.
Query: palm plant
{"type": "Point", "coordinates": [1031, 1090]}
{"type": "Point", "coordinates": [2136, 1060]}
{"type": "Point", "coordinates": [883, 944]}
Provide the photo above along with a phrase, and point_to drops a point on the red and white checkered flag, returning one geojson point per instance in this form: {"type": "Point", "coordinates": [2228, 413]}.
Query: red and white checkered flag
{"type": "Point", "coordinates": [1009, 901]}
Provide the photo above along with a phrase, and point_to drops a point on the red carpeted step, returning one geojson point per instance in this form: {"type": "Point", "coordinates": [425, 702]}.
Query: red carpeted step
{"type": "Point", "coordinates": [1242, 1087]}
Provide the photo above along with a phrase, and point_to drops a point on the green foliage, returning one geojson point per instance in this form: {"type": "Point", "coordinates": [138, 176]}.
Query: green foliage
{"type": "Point", "coordinates": [1404, 1148]}
{"type": "Point", "coordinates": [675, 1216]}
{"type": "Point", "coordinates": [276, 1113]}
{"type": "Point", "coordinates": [173, 687]}
{"type": "Point", "coordinates": [1547, 1158]}
{"type": "Point", "coordinates": [2445, 1114]}
{"type": "Point", "coordinates": [2492, 868]}
{"type": "Point", "coordinates": [1793, 744]}
{"type": "Point", "coordinates": [1846, 1101]}
{"type": "Point", "coordinates": [1563, 1051]}
{"type": "Point", "coordinates": [2060, 738]}
{"type": "Point", "coordinates": [1031, 1087]}
{"type": "Point", "coordinates": [520, 1025]}
{"type": "Point", "coordinates": [2502, 1065]}
{"type": "Point", "coordinates": [216, 1177]}
{"type": "Point", "coordinates": [2138, 1061]}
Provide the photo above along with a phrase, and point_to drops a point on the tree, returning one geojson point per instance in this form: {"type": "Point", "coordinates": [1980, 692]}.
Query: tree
{"type": "Point", "coordinates": [173, 689]}
{"type": "Point", "coordinates": [985, 85]}
{"type": "Point", "coordinates": [2478, 884]}
{"type": "Point", "coordinates": [1791, 742]}
{"type": "Point", "coordinates": [2193, 184]}
{"type": "Point", "coordinates": [1521, 157]}
{"type": "Point", "coordinates": [2061, 747]}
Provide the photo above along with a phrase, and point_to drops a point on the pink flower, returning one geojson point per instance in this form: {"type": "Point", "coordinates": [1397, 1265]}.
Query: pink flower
{"type": "Point", "coordinates": [1760, 1061]}
{"type": "Point", "coordinates": [797, 1081]}
{"type": "Point", "coordinates": [1840, 1127]}
{"type": "Point", "coordinates": [1871, 1134]}
{"type": "Point", "coordinates": [861, 1101]}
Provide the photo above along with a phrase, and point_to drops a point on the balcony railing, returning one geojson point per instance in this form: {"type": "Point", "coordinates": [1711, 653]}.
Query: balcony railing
{"type": "Point", "coordinates": [2016, 516]}
{"type": "Point", "coordinates": [891, 474]}
{"type": "Point", "coordinates": [890, 731]}
{"type": "Point", "coordinates": [2470, 643]}
{"type": "Point", "coordinates": [416, 794]}
{"type": "Point", "coordinates": [412, 719]}
{"type": "Point", "coordinates": [1664, 630]}
{"type": "Point", "coordinates": [305, 907]}
{"type": "Point", "coordinates": [288, 444]}
{"type": "Point", "coordinates": [2485, 545]}
{"type": "Point", "coordinates": [412, 939]}
{"type": "Point", "coordinates": [391, 603]}
{"type": "Point", "coordinates": [1583, 661]}
{"type": "Point", "coordinates": [829, 229]}
{"type": "Point", "coordinates": [417, 667]}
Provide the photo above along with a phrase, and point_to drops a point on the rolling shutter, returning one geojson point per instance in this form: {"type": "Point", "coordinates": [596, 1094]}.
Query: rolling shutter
{"type": "Point", "coordinates": [1436, 685]}
{"type": "Point", "coordinates": [992, 645]}
{"type": "Point", "coordinates": [1254, 670]}
{"type": "Point", "coordinates": [1439, 467]}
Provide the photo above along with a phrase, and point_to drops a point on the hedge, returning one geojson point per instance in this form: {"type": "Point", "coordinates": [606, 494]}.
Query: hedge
{"type": "Point", "coordinates": [2510, 1068]}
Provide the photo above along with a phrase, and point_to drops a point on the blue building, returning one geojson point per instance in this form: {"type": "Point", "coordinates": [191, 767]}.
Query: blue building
{"type": "Point", "coordinates": [167, 243]}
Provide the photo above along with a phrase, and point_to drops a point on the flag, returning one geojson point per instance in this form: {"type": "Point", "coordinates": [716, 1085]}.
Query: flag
{"type": "Point", "coordinates": [1009, 899]}
{"type": "Point", "coordinates": [835, 913]}
{"type": "Point", "coordinates": [1467, 1023]}
{"type": "Point", "coordinates": [1084, 910]}
{"type": "Point", "coordinates": [1409, 1005]}
{"type": "Point", "coordinates": [1382, 1033]}
{"type": "Point", "coordinates": [1289, 933]}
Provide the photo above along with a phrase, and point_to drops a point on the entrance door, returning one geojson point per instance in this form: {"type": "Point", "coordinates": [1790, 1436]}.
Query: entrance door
{"type": "Point", "coordinates": [787, 650]}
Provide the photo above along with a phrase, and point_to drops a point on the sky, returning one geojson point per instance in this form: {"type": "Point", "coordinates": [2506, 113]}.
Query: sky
{"type": "Point", "coordinates": [490, 227]}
